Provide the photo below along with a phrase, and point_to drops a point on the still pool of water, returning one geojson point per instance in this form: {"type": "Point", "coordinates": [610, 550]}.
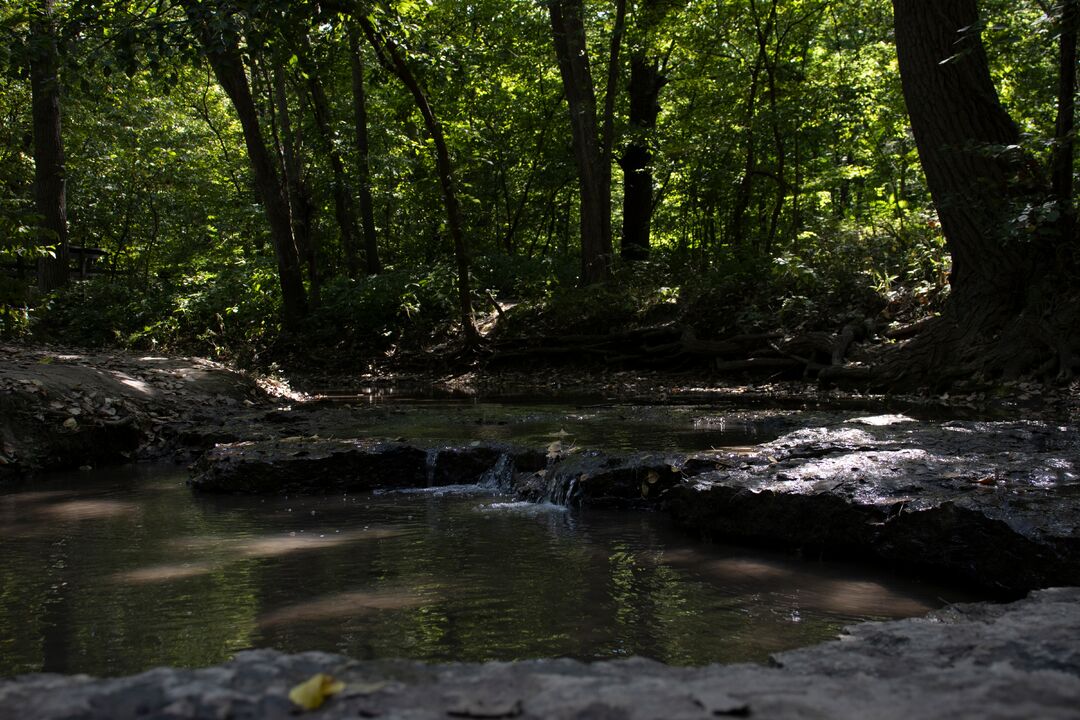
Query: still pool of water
{"type": "Point", "coordinates": [623, 427]}
{"type": "Point", "coordinates": [113, 572]}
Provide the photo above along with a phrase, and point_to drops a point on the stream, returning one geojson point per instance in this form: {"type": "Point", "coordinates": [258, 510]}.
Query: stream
{"type": "Point", "coordinates": [111, 572]}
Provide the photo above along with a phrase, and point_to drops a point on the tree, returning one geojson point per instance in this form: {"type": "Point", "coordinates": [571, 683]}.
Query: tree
{"type": "Point", "coordinates": [390, 55]}
{"type": "Point", "coordinates": [49, 176]}
{"type": "Point", "coordinates": [1007, 312]}
{"type": "Point", "coordinates": [568, 30]}
{"type": "Point", "coordinates": [216, 29]}
{"type": "Point", "coordinates": [363, 165]}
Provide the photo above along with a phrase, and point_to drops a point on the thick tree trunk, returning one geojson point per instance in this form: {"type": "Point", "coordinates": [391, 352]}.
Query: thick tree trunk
{"type": "Point", "coordinates": [390, 54]}
{"type": "Point", "coordinates": [967, 142]}
{"type": "Point", "coordinates": [49, 176]}
{"type": "Point", "coordinates": [569, 35]}
{"type": "Point", "coordinates": [645, 84]}
{"type": "Point", "coordinates": [1009, 311]}
{"type": "Point", "coordinates": [223, 53]}
{"type": "Point", "coordinates": [363, 166]}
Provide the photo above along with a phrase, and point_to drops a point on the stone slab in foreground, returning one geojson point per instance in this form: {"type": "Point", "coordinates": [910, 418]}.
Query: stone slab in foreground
{"type": "Point", "coordinates": [1020, 660]}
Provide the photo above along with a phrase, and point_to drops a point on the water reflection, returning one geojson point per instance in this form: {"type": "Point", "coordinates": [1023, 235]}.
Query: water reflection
{"type": "Point", "coordinates": [115, 572]}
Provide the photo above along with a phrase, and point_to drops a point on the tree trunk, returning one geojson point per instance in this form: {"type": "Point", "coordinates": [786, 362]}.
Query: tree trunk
{"type": "Point", "coordinates": [1005, 315]}
{"type": "Point", "coordinates": [568, 30]}
{"type": "Point", "coordinates": [363, 166]}
{"type": "Point", "coordinates": [49, 175]}
{"type": "Point", "coordinates": [223, 53]}
{"type": "Point", "coordinates": [301, 208]}
{"type": "Point", "coordinates": [343, 209]}
{"type": "Point", "coordinates": [389, 53]}
{"type": "Point", "coordinates": [645, 84]}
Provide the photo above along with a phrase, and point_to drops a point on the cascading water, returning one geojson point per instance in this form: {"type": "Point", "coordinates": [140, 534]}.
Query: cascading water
{"type": "Point", "coordinates": [563, 487]}
{"type": "Point", "coordinates": [499, 476]}
{"type": "Point", "coordinates": [430, 462]}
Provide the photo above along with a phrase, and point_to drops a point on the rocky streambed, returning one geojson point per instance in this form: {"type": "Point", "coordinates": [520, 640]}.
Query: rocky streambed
{"type": "Point", "coordinates": [991, 504]}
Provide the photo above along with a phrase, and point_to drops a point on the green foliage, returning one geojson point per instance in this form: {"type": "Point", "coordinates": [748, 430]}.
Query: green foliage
{"type": "Point", "coordinates": [788, 187]}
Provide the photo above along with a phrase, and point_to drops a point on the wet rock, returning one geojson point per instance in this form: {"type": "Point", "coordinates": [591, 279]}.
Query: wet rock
{"type": "Point", "coordinates": [1019, 660]}
{"type": "Point", "coordinates": [318, 465]}
{"type": "Point", "coordinates": [309, 465]}
{"type": "Point", "coordinates": [599, 479]}
{"type": "Point", "coordinates": [995, 504]}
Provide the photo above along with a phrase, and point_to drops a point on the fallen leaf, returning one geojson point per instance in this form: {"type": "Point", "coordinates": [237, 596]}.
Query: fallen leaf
{"type": "Point", "coordinates": [644, 489]}
{"type": "Point", "coordinates": [71, 423]}
{"type": "Point", "coordinates": [652, 477]}
{"type": "Point", "coordinates": [314, 691]}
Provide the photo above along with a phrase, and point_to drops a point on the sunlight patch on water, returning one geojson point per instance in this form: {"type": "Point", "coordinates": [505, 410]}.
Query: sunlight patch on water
{"type": "Point", "coordinates": [340, 605]}
{"type": "Point", "coordinates": [164, 573]}
{"type": "Point", "coordinates": [76, 510]}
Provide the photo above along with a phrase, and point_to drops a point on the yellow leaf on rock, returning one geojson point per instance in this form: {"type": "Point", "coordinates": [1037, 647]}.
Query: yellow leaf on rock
{"type": "Point", "coordinates": [312, 693]}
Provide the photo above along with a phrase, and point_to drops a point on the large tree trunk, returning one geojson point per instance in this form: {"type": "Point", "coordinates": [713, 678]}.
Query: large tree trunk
{"type": "Point", "coordinates": [223, 53]}
{"type": "Point", "coordinates": [569, 34]}
{"type": "Point", "coordinates": [49, 178]}
{"type": "Point", "coordinates": [1005, 314]}
{"type": "Point", "coordinates": [363, 166]}
{"type": "Point", "coordinates": [645, 84]}
{"type": "Point", "coordinates": [390, 54]}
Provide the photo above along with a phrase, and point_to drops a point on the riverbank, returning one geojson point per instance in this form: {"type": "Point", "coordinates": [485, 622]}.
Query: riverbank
{"type": "Point", "coordinates": [1019, 660]}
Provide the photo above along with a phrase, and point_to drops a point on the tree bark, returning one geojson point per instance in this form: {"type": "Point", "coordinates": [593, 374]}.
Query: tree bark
{"type": "Point", "coordinates": [646, 82]}
{"type": "Point", "coordinates": [968, 144]}
{"type": "Point", "coordinates": [1009, 311]}
{"type": "Point", "coordinates": [568, 30]}
{"type": "Point", "coordinates": [222, 51]}
{"type": "Point", "coordinates": [389, 53]}
{"type": "Point", "coordinates": [363, 166]}
{"type": "Point", "coordinates": [49, 176]}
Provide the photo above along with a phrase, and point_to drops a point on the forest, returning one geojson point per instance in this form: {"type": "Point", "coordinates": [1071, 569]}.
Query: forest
{"type": "Point", "coordinates": [856, 192]}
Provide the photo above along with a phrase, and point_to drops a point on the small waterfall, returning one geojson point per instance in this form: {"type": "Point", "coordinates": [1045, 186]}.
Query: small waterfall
{"type": "Point", "coordinates": [430, 462]}
{"type": "Point", "coordinates": [562, 488]}
{"type": "Point", "coordinates": [499, 476]}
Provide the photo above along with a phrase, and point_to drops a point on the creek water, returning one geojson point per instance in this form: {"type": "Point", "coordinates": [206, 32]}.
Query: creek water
{"type": "Point", "coordinates": [112, 572]}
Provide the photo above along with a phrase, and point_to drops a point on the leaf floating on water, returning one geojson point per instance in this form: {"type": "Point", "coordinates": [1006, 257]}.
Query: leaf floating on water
{"type": "Point", "coordinates": [314, 691]}
{"type": "Point", "coordinates": [653, 477]}
{"type": "Point", "coordinates": [554, 449]}
{"type": "Point", "coordinates": [71, 423]}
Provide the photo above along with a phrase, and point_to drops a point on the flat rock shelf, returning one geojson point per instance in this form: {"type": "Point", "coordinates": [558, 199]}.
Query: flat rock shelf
{"type": "Point", "coordinates": [993, 504]}
{"type": "Point", "coordinates": [1020, 660]}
